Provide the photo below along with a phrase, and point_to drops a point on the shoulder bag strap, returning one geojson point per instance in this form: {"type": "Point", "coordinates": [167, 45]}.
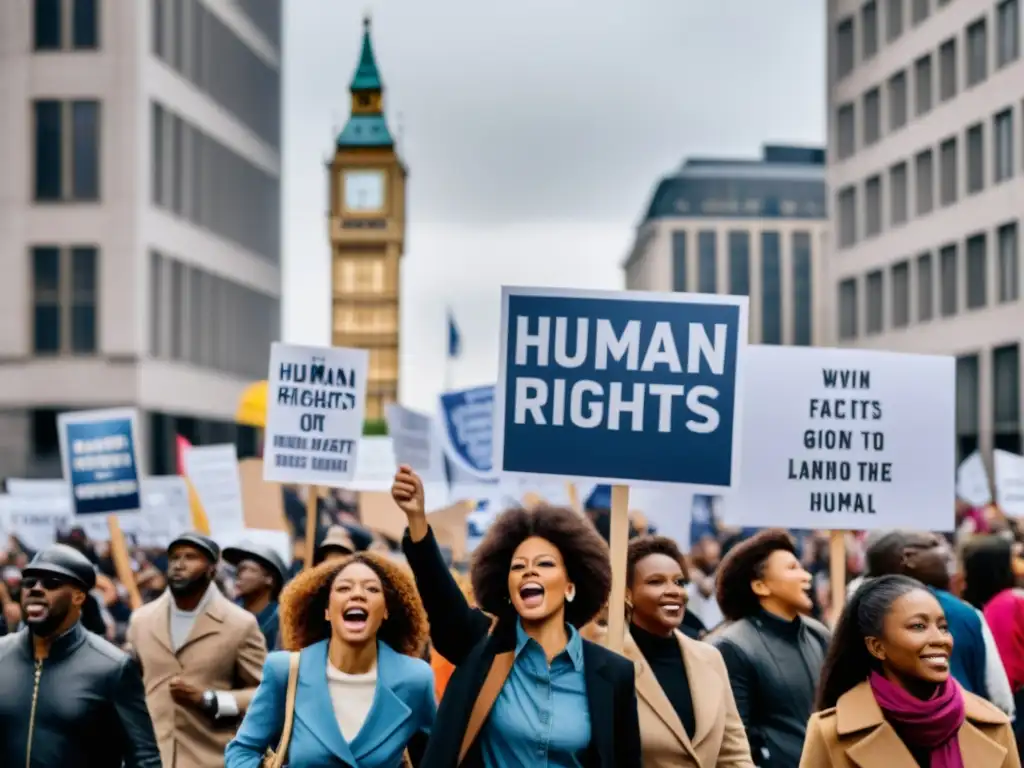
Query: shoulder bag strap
{"type": "Point", "coordinates": [289, 707]}
{"type": "Point", "coordinates": [496, 676]}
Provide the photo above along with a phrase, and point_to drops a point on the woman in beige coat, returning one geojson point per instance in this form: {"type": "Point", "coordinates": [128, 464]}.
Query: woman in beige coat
{"type": "Point", "coordinates": [887, 699]}
{"type": "Point", "coordinates": [687, 713]}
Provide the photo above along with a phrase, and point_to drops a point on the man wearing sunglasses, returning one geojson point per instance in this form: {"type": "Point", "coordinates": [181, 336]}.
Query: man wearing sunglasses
{"type": "Point", "coordinates": [68, 698]}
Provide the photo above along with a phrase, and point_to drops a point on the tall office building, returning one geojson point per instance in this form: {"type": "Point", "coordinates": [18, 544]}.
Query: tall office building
{"type": "Point", "coordinates": [925, 118]}
{"type": "Point", "coordinates": [741, 226]}
{"type": "Point", "coordinates": [140, 235]}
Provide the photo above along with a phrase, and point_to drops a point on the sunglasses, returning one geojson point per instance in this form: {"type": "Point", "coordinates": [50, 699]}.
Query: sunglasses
{"type": "Point", "coordinates": [49, 583]}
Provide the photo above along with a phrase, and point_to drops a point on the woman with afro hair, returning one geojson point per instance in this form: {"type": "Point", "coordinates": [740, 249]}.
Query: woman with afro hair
{"type": "Point", "coordinates": [527, 689]}
{"type": "Point", "coordinates": [364, 697]}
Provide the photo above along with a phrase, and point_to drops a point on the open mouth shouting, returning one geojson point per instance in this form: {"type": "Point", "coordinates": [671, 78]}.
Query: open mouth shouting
{"type": "Point", "coordinates": [672, 609]}
{"type": "Point", "coordinates": [36, 611]}
{"type": "Point", "coordinates": [936, 660]}
{"type": "Point", "coordinates": [532, 594]}
{"type": "Point", "coordinates": [355, 618]}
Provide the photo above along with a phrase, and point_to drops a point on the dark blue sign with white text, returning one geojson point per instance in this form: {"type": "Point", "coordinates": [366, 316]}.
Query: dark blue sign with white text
{"type": "Point", "coordinates": [621, 387]}
{"type": "Point", "coordinates": [100, 462]}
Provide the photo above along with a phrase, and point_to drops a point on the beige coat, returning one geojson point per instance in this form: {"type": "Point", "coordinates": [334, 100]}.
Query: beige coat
{"type": "Point", "coordinates": [854, 734]}
{"type": "Point", "coordinates": [224, 652]}
{"type": "Point", "coordinates": [719, 739]}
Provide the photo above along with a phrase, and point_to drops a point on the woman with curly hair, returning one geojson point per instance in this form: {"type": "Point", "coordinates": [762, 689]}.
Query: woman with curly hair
{"type": "Point", "coordinates": [887, 698]}
{"type": "Point", "coordinates": [687, 712]}
{"type": "Point", "coordinates": [363, 697]}
{"type": "Point", "coordinates": [772, 649]}
{"type": "Point", "coordinates": [527, 689]}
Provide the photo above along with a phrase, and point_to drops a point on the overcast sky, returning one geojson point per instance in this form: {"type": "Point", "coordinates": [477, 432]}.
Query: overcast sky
{"type": "Point", "coordinates": [534, 132]}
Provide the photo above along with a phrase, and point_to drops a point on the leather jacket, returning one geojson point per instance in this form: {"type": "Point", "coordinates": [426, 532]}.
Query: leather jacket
{"type": "Point", "coordinates": [82, 707]}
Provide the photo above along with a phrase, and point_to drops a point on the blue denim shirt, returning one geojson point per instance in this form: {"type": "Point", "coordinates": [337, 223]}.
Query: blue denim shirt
{"type": "Point", "coordinates": [541, 718]}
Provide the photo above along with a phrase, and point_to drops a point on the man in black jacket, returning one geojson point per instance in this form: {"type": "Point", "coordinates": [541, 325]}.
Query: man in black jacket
{"type": "Point", "coordinates": [68, 698]}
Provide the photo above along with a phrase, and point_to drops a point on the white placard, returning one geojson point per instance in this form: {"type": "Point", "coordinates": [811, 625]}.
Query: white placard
{"type": "Point", "coordinates": [847, 439]}
{"type": "Point", "coordinates": [213, 472]}
{"type": "Point", "coordinates": [1009, 471]}
{"type": "Point", "coordinates": [316, 401]}
{"type": "Point", "coordinates": [35, 520]}
{"type": "Point", "coordinates": [417, 442]}
{"type": "Point", "coordinates": [972, 483]}
{"type": "Point", "coordinates": [375, 467]}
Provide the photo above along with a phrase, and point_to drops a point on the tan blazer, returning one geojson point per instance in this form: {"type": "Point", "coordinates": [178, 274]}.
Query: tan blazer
{"type": "Point", "coordinates": [224, 652]}
{"type": "Point", "coordinates": [719, 739]}
{"type": "Point", "coordinates": [854, 734]}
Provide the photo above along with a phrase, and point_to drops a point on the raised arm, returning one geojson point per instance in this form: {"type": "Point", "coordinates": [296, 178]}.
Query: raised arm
{"type": "Point", "coordinates": [455, 627]}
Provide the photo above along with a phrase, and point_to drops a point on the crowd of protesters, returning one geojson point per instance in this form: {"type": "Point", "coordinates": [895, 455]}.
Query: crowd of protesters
{"type": "Point", "coordinates": [733, 654]}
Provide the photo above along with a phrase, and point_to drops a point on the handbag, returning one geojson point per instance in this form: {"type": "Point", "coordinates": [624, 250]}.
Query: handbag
{"type": "Point", "coordinates": [275, 758]}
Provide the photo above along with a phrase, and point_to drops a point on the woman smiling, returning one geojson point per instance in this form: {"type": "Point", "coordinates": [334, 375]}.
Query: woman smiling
{"type": "Point", "coordinates": [532, 691]}
{"type": "Point", "coordinates": [362, 697]}
{"type": "Point", "coordinates": [687, 712]}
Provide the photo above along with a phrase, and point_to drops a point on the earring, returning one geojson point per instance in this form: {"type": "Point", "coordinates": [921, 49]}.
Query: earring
{"type": "Point", "coordinates": [570, 596]}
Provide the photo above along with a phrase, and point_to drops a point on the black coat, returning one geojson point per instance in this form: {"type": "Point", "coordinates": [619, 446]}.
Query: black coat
{"type": "Point", "coordinates": [460, 634]}
{"type": "Point", "coordinates": [84, 706]}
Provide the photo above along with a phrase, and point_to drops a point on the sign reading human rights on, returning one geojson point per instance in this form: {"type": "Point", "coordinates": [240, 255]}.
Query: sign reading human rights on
{"type": "Point", "coordinates": [316, 398]}
{"type": "Point", "coordinates": [622, 387]}
{"type": "Point", "coordinates": [99, 453]}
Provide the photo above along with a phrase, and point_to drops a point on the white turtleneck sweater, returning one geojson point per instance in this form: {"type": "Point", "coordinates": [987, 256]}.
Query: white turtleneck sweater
{"type": "Point", "coordinates": [352, 697]}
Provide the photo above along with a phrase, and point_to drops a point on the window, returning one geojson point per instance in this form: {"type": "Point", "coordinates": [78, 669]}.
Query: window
{"type": "Point", "coordinates": [947, 70]}
{"type": "Point", "coordinates": [925, 288]}
{"type": "Point", "coordinates": [63, 129]}
{"type": "Point", "coordinates": [1007, 32]}
{"type": "Point", "coordinates": [893, 20]}
{"type": "Point", "coordinates": [848, 309]}
{"type": "Point", "coordinates": [897, 101]}
{"type": "Point", "coordinates": [771, 288]}
{"type": "Point", "coordinates": [873, 206]}
{"type": "Point", "coordinates": [44, 434]}
{"type": "Point", "coordinates": [679, 261]}
{"type": "Point", "coordinates": [898, 194]}
{"type": "Point", "coordinates": [64, 299]}
{"type": "Point", "coordinates": [47, 25]}
{"type": "Point", "coordinates": [918, 11]}
{"type": "Point", "coordinates": [872, 116]}
{"type": "Point", "coordinates": [869, 29]}
{"type": "Point", "coordinates": [847, 199]}
{"type": "Point", "coordinates": [876, 306]}
{"type": "Point", "coordinates": [1009, 274]}
{"type": "Point", "coordinates": [977, 272]}
{"type": "Point", "coordinates": [739, 263]}
{"type": "Point", "coordinates": [1006, 396]}
{"type": "Point", "coordinates": [968, 390]}
{"type": "Point", "coordinates": [924, 182]}
{"type": "Point", "coordinates": [900, 280]}
{"type": "Point", "coordinates": [156, 14]}
{"type": "Point", "coordinates": [707, 255]}
{"type": "Point", "coordinates": [1002, 131]}
{"type": "Point", "coordinates": [977, 52]}
{"type": "Point", "coordinates": [802, 285]}
{"type": "Point", "coordinates": [844, 48]}
{"type": "Point", "coordinates": [923, 84]}
{"type": "Point", "coordinates": [156, 304]}
{"type": "Point", "coordinates": [54, 31]}
{"type": "Point", "coordinates": [948, 281]}
{"type": "Point", "coordinates": [975, 159]}
{"type": "Point", "coordinates": [947, 172]}
{"type": "Point", "coordinates": [846, 132]}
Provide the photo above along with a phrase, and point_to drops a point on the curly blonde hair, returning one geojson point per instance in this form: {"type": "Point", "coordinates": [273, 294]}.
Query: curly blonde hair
{"type": "Point", "coordinates": [304, 605]}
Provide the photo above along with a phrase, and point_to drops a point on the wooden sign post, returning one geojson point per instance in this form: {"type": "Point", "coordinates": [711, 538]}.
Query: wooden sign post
{"type": "Point", "coordinates": [837, 572]}
{"type": "Point", "coordinates": [312, 521]}
{"type": "Point", "coordinates": [123, 562]}
{"type": "Point", "coordinates": [619, 542]}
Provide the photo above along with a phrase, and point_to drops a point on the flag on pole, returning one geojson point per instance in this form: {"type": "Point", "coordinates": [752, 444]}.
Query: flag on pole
{"type": "Point", "coordinates": [454, 338]}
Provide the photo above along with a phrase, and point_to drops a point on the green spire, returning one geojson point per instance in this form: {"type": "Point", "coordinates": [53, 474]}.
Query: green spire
{"type": "Point", "coordinates": [366, 77]}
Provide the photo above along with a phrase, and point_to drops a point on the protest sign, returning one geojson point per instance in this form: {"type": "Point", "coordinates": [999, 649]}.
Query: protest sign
{"type": "Point", "coordinates": [846, 439]}
{"type": "Point", "coordinates": [315, 407]}
{"type": "Point", "coordinates": [35, 520]}
{"type": "Point", "coordinates": [415, 442]}
{"type": "Point", "coordinates": [621, 387]}
{"type": "Point", "coordinates": [1009, 477]}
{"type": "Point", "coordinates": [467, 430]}
{"type": "Point", "coordinates": [972, 481]}
{"type": "Point", "coordinates": [213, 472]}
{"type": "Point", "coordinates": [100, 456]}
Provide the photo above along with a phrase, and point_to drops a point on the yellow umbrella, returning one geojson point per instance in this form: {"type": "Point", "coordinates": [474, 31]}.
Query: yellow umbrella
{"type": "Point", "coordinates": [252, 406]}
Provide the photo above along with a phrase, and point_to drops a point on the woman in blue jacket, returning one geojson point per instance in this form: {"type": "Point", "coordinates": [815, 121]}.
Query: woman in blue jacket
{"type": "Point", "coordinates": [364, 697]}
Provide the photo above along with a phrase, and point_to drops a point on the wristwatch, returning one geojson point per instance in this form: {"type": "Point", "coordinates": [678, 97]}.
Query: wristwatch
{"type": "Point", "coordinates": [210, 702]}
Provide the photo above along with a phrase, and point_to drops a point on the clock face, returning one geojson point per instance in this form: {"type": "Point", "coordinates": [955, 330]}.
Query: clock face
{"type": "Point", "coordinates": [364, 191]}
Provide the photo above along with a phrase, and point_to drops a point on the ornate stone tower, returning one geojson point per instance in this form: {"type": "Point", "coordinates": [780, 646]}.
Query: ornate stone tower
{"type": "Point", "coordinates": [367, 232]}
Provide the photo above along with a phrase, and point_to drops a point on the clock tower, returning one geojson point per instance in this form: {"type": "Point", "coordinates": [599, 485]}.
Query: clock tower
{"type": "Point", "coordinates": [367, 233]}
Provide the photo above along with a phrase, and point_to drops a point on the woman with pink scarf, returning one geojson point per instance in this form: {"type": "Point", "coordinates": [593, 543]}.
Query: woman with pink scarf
{"type": "Point", "coordinates": [886, 698]}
